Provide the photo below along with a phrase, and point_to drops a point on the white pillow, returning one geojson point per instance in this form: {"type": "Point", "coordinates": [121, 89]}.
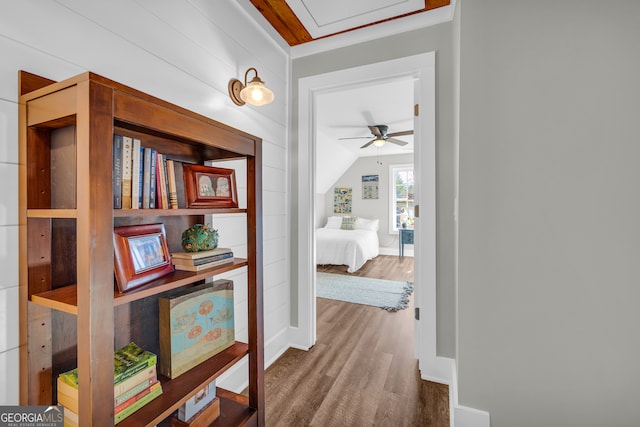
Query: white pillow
{"type": "Point", "coordinates": [334, 222]}
{"type": "Point", "coordinates": [367, 224]}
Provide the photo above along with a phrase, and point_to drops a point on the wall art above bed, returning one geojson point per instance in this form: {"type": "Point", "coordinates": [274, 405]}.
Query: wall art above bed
{"type": "Point", "coordinates": [342, 197]}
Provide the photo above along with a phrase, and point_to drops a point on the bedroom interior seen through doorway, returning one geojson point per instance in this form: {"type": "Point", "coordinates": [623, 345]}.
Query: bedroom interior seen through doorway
{"type": "Point", "coordinates": [421, 69]}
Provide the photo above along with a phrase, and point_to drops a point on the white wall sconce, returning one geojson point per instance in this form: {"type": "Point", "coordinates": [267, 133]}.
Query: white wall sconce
{"type": "Point", "coordinates": [254, 92]}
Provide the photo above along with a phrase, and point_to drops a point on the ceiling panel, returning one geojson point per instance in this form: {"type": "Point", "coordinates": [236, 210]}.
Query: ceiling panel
{"type": "Point", "coordinates": [324, 17]}
{"type": "Point", "coordinates": [302, 21]}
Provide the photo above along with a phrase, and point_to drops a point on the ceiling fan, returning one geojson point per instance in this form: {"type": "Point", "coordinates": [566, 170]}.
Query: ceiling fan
{"type": "Point", "coordinates": [382, 137]}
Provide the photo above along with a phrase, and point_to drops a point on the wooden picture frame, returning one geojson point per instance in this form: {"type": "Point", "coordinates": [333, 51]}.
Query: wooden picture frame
{"type": "Point", "coordinates": [141, 254]}
{"type": "Point", "coordinates": [210, 187]}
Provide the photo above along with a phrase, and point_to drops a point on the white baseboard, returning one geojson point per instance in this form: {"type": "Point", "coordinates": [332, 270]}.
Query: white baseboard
{"type": "Point", "coordinates": [297, 339]}
{"type": "Point", "coordinates": [469, 417]}
{"type": "Point", "coordinates": [408, 251]}
{"type": "Point", "coordinates": [462, 416]}
{"type": "Point", "coordinates": [276, 347]}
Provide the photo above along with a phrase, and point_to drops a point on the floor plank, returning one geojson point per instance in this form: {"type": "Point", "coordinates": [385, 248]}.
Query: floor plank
{"type": "Point", "coordinates": [361, 372]}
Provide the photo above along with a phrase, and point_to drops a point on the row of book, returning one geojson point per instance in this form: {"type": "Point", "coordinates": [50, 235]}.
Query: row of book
{"type": "Point", "coordinates": [143, 178]}
{"type": "Point", "coordinates": [135, 384]}
{"type": "Point", "coordinates": [196, 261]}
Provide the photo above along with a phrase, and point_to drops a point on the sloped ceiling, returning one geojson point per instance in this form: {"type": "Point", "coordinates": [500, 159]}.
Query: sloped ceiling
{"type": "Point", "coordinates": [347, 113]}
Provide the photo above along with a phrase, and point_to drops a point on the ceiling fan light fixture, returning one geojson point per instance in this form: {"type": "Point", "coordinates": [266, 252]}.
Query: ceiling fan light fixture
{"type": "Point", "coordinates": [254, 92]}
{"type": "Point", "coordinates": [379, 142]}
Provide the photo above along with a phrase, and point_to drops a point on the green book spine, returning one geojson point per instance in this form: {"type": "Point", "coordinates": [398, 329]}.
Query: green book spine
{"type": "Point", "coordinates": [137, 405]}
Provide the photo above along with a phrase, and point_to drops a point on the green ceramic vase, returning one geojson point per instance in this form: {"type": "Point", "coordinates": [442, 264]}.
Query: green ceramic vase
{"type": "Point", "coordinates": [199, 237]}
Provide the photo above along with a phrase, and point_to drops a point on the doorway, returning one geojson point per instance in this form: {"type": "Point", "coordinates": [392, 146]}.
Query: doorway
{"type": "Point", "coordinates": [422, 69]}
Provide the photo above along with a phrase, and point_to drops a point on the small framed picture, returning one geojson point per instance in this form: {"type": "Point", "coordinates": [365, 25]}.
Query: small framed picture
{"type": "Point", "coordinates": [209, 187]}
{"type": "Point", "coordinates": [141, 255]}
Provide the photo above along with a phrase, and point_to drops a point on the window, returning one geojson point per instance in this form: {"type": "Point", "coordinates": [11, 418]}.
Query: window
{"type": "Point", "coordinates": [401, 197]}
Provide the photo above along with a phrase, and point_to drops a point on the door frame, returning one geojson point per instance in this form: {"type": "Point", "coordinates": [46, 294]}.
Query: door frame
{"type": "Point", "coordinates": [422, 68]}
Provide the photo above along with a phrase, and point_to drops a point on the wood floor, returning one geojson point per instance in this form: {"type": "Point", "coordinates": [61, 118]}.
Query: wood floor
{"type": "Point", "coordinates": [362, 370]}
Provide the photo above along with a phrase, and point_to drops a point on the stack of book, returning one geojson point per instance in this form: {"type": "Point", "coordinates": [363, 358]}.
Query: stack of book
{"type": "Point", "coordinates": [196, 261]}
{"type": "Point", "coordinates": [135, 384]}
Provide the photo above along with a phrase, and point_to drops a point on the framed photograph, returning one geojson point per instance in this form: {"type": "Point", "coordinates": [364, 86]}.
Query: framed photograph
{"type": "Point", "coordinates": [209, 187]}
{"type": "Point", "coordinates": [141, 255]}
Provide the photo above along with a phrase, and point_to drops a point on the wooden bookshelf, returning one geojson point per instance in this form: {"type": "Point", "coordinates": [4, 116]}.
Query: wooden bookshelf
{"type": "Point", "coordinates": [71, 313]}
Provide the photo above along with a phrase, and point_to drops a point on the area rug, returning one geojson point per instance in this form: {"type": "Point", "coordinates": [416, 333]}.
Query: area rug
{"type": "Point", "coordinates": [387, 294]}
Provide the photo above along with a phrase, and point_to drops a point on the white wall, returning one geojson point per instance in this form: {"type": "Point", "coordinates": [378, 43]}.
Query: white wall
{"type": "Point", "coordinates": [182, 51]}
{"type": "Point", "coordinates": [549, 212]}
{"type": "Point", "coordinates": [369, 208]}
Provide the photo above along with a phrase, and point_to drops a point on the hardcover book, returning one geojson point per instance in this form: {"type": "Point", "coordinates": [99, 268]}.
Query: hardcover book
{"type": "Point", "coordinates": [127, 153]}
{"type": "Point", "coordinates": [194, 325]}
{"type": "Point", "coordinates": [201, 254]}
{"type": "Point", "coordinates": [117, 171]}
{"type": "Point", "coordinates": [201, 261]}
{"type": "Point", "coordinates": [173, 194]}
{"type": "Point", "coordinates": [152, 180]}
{"type": "Point", "coordinates": [180, 194]}
{"type": "Point", "coordinates": [135, 174]}
{"type": "Point", "coordinates": [201, 267]}
{"type": "Point", "coordinates": [146, 178]}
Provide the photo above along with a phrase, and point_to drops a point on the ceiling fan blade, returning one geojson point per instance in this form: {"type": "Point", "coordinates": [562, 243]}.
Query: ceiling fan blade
{"type": "Point", "coordinates": [355, 137]}
{"type": "Point", "coordinates": [375, 130]}
{"type": "Point", "coordinates": [402, 133]}
{"type": "Point", "coordinates": [397, 141]}
{"type": "Point", "coordinates": [368, 144]}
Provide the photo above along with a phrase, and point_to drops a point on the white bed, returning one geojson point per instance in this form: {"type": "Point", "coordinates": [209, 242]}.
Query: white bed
{"type": "Point", "coordinates": [353, 248]}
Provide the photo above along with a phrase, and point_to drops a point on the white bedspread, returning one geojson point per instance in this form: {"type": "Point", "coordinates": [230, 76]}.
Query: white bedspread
{"type": "Point", "coordinates": [346, 247]}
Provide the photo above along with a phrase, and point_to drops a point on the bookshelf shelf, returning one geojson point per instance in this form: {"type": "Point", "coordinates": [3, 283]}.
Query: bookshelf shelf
{"type": "Point", "coordinates": [52, 213]}
{"type": "Point", "coordinates": [124, 213]}
{"type": "Point", "coordinates": [71, 313]}
{"type": "Point", "coordinates": [66, 298]}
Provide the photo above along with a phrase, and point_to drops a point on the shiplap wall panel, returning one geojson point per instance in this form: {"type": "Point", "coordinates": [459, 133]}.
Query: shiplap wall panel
{"type": "Point", "coordinates": [184, 52]}
{"type": "Point", "coordinates": [8, 314]}
{"type": "Point", "coordinates": [8, 257]}
{"type": "Point", "coordinates": [9, 194]}
{"type": "Point", "coordinates": [8, 132]}
{"type": "Point", "coordinates": [274, 227]}
{"type": "Point", "coordinates": [169, 34]}
{"type": "Point", "coordinates": [275, 273]}
{"type": "Point", "coordinates": [274, 154]}
{"type": "Point", "coordinates": [9, 378]}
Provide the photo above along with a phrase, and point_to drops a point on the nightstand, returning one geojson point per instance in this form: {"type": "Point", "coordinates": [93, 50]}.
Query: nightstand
{"type": "Point", "coordinates": [405, 235]}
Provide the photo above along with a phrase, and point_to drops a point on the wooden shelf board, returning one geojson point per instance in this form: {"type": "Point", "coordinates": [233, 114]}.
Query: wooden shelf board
{"type": "Point", "coordinates": [174, 212]}
{"type": "Point", "coordinates": [52, 213]}
{"type": "Point", "coordinates": [178, 390]}
{"type": "Point", "coordinates": [61, 299]}
{"type": "Point", "coordinates": [66, 298]}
